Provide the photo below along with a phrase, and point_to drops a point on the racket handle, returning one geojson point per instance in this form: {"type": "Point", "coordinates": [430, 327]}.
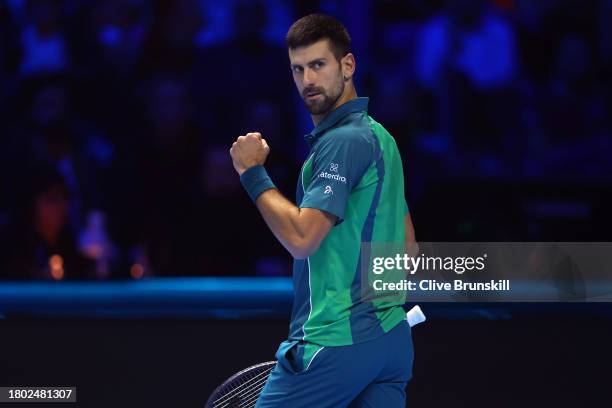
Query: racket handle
{"type": "Point", "coordinates": [415, 316]}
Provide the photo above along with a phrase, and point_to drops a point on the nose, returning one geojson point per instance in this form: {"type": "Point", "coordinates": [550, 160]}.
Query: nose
{"type": "Point", "coordinates": [309, 77]}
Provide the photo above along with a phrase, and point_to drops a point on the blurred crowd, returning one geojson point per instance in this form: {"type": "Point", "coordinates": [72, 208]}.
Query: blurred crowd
{"type": "Point", "coordinates": [116, 117]}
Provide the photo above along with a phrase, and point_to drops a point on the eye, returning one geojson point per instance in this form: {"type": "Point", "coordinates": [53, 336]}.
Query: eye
{"type": "Point", "coordinates": [318, 64]}
{"type": "Point", "coordinates": [297, 69]}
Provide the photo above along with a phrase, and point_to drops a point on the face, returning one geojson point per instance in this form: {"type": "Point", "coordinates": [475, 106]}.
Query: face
{"type": "Point", "coordinates": [51, 209]}
{"type": "Point", "coordinates": [318, 75]}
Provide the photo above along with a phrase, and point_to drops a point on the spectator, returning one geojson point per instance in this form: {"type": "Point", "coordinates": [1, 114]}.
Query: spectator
{"type": "Point", "coordinates": [40, 243]}
{"type": "Point", "coordinates": [166, 163]}
{"type": "Point", "coordinates": [227, 97]}
{"type": "Point", "coordinates": [170, 44]}
{"type": "Point", "coordinates": [44, 45]}
{"type": "Point", "coordinates": [571, 116]}
{"type": "Point", "coordinates": [53, 138]}
{"type": "Point", "coordinates": [466, 57]}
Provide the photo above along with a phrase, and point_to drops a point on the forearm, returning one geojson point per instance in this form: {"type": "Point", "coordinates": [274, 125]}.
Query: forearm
{"type": "Point", "coordinates": [284, 220]}
{"type": "Point", "coordinates": [300, 231]}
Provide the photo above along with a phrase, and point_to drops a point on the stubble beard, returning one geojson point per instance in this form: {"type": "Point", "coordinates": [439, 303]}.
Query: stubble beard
{"type": "Point", "coordinates": [328, 101]}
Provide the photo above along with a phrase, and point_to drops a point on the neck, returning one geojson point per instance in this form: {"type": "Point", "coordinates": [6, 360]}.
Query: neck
{"type": "Point", "coordinates": [348, 94]}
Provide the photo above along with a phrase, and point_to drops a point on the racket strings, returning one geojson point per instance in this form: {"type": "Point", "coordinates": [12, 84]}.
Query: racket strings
{"type": "Point", "coordinates": [246, 388]}
{"type": "Point", "coordinates": [234, 388]}
{"type": "Point", "coordinates": [251, 399]}
{"type": "Point", "coordinates": [246, 394]}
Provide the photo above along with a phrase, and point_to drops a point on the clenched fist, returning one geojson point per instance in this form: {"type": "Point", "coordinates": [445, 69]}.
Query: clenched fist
{"type": "Point", "coordinates": [248, 151]}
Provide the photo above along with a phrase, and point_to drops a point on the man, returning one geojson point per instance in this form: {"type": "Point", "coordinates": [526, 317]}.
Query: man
{"type": "Point", "coordinates": [343, 349]}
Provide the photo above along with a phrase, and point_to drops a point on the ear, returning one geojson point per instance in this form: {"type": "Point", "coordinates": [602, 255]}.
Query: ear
{"type": "Point", "coordinates": [348, 66]}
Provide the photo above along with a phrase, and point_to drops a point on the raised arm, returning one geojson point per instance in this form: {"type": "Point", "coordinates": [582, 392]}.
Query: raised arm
{"type": "Point", "coordinates": [299, 230]}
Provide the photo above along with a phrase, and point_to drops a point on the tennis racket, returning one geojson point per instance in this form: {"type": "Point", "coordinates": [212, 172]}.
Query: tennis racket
{"type": "Point", "coordinates": [241, 389]}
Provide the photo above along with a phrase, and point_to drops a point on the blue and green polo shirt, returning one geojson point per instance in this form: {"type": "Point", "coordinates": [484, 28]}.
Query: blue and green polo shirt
{"type": "Point", "coordinates": [353, 171]}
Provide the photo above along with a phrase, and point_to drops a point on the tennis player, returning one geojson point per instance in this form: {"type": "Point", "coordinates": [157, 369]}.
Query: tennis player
{"type": "Point", "coordinates": [342, 350]}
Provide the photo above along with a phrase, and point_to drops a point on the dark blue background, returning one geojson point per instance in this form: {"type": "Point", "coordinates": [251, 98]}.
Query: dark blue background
{"type": "Point", "coordinates": [126, 109]}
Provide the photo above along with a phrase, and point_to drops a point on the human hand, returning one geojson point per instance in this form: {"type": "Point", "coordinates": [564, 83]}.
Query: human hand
{"type": "Point", "coordinates": [248, 151]}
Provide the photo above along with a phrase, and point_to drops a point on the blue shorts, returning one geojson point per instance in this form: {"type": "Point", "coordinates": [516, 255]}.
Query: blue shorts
{"type": "Point", "coordinates": [368, 374]}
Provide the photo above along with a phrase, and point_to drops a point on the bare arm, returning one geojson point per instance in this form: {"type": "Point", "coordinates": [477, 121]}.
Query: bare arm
{"type": "Point", "coordinates": [299, 230]}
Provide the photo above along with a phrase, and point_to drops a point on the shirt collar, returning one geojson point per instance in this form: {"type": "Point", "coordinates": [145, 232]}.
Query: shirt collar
{"type": "Point", "coordinates": [333, 117]}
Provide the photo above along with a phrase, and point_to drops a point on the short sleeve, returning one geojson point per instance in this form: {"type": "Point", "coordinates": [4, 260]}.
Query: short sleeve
{"type": "Point", "coordinates": [339, 163]}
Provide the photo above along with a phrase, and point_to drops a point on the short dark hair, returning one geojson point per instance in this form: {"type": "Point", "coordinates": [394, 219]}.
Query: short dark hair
{"type": "Point", "coordinates": [315, 27]}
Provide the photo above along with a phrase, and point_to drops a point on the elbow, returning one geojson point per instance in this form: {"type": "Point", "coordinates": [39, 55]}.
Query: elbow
{"type": "Point", "coordinates": [298, 254]}
{"type": "Point", "coordinates": [302, 248]}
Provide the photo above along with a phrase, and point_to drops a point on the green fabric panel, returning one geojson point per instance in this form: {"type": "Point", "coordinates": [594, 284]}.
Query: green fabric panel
{"type": "Point", "coordinates": [389, 226]}
{"type": "Point", "coordinates": [331, 292]}
{"type": "Point", "coordinates": [307, 172]}
{"type": "Point", "coordinates": [310, 351]}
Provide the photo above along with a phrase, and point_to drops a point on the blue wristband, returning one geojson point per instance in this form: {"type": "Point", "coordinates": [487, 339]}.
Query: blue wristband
{"type": "Point", "coordinates": [255, 181]}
